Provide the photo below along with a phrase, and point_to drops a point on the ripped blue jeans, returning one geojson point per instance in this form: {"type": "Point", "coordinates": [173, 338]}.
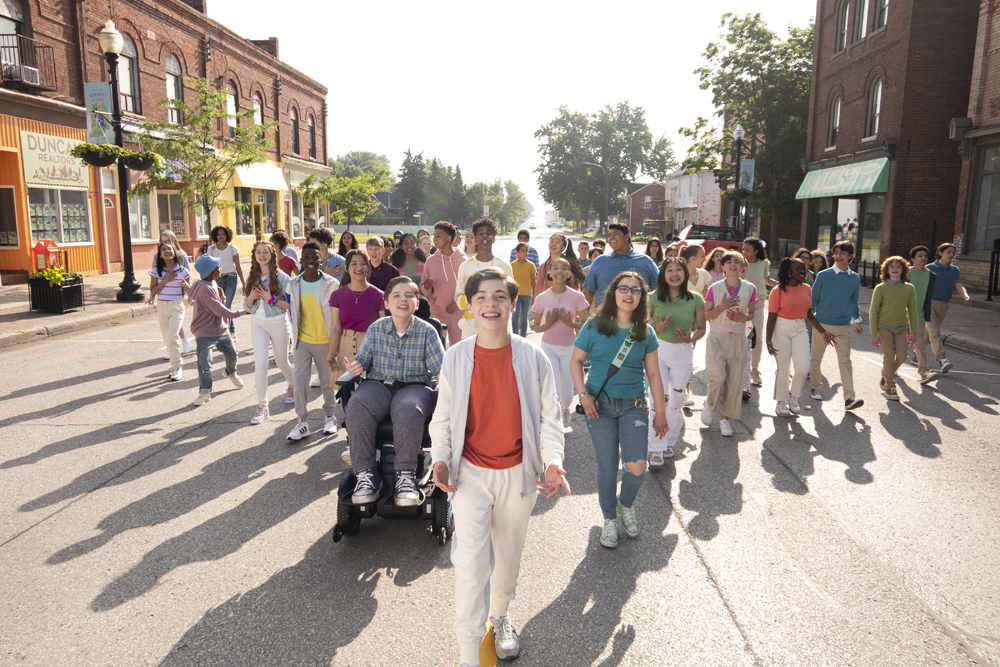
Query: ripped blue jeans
{"type": "Point", "coordinates": [620, 435]}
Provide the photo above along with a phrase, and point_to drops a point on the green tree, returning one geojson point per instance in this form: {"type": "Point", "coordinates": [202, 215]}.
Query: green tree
{"type": "Point", "coordinates": [438, 193]}
{"type": "Point", "coordinates": [458, 205]}
{"type": "Point", "coordinates": [761, 82]}
{"type": "Point", "coordinates": [200, 157]}
{"type": "Point", "coordinates": [412, 184]}
{"type": "Point", "coordinates": [617, 140]}
{"type": "Point", "coordinates": [356, 163]}
{"type": "Point", "coordinates": [353, 196]}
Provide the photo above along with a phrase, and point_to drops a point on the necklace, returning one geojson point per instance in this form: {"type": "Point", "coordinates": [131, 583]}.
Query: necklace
{"type": "Point", "coordinates": [399, 343]}
{"type": "Point", "coordinates": [357, 295]}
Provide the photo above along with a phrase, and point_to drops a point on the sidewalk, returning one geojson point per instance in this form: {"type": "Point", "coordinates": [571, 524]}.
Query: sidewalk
{"type": "Point", "coordinates": [19, 325]}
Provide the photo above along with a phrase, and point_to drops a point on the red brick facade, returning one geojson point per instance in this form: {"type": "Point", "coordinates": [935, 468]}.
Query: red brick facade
{"type": "Point", "coordinates": [923, 56]}
{"type": "Point", "coordinates": [646, 203]}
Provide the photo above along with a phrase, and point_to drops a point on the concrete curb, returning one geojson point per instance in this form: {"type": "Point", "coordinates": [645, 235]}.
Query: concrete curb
{"type": "Point", "coordinates": [79, 323]}
{"type": "Point", "coordinates": [990, 351]}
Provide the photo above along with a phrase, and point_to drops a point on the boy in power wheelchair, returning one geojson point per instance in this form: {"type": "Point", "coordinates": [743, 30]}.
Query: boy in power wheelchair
{"type": "Point", "coordinates": [400, 356]}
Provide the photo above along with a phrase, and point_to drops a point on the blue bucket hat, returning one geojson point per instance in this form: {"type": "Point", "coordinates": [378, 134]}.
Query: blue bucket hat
{"type": "Point", "coordinates": [205, 265]}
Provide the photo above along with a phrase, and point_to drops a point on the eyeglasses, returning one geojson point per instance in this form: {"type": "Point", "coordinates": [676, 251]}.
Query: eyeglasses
{"type": "Point", "coordinates": [625, 290]}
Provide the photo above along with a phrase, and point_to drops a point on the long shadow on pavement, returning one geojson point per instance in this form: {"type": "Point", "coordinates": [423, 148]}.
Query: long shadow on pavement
{"type": "Point", "coordinates": [276, 501]}
{"type": "Point", "coordinates": [712, 490]}
{"type": "Point", "coordinates": [918, 435]}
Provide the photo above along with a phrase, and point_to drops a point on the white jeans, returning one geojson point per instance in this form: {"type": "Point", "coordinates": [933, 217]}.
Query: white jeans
{"type": "Point", "coordinates": [559, 356]}
{"type": "Point", "coordinates": [791, 340]}
{"type": "Point", "coordinates": [491, 522]}
{"type": "Point", "coordinates": [676, 364]}
{"type": "Point", "coordinates": [274, 331]}
{"type": "Point", "coordinates": [171, 314]}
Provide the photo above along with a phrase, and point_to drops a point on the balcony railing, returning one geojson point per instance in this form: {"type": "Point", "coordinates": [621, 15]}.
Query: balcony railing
{"type": "Point", "coordinates": [27, 62]}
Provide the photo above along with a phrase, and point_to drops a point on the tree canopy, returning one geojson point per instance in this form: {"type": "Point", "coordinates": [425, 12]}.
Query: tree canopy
{"type": "Point", "coordinates": [356, 163]}
{"type": "Point", "coordinates": [616, 139]}
{"type": "Point", "coordinates": [761, 82]}
{"type": "Point", "coordinates": [352, 195]}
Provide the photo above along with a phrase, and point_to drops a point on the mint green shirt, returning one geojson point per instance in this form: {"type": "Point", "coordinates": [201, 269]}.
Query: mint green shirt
{"type": "Point", "coordinates": [682, 314]}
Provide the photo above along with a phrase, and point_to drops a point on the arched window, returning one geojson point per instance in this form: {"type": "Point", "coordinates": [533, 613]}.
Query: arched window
{"type": "Point", "coordinates": [231, 109]}
{"type": "Point", "coordinates": [175, 88]}
{"type": "Point", "coordinates": [258, 110]}
{"type": "Point", "coordinates": [862, 20]}
{"type": "Point", "coordinates": [128, 76]}
{"type": "Point", "coordinates": [295, 131]}
{"type": "Point", "coordinates": [845, 15]}
{"type": "Point", "coordinates": [311, 130]}
{"type": "Point", "coordinates": [834, 121]}
{"type": "Point", "coordinates": [883, 13]}
{"type": "Point", "coordinates": [874, 108]}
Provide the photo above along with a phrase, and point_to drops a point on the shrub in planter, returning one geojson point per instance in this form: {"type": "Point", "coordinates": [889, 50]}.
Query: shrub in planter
{"type": "Point", "coordinates": [97, 155]}
{"type": "Point", "coordinates": [140, 161]}
{"type": "Point", "coordinates": [55, 290]}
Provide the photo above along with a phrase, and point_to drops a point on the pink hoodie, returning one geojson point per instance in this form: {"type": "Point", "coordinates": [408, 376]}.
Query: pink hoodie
{"type": "Point", "coordinates": [443, 271]}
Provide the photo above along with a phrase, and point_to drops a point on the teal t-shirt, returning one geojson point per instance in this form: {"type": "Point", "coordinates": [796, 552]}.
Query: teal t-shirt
{"type": "Point", "coordinates": [681, 313]}
{"type": "Point", "coordinates": [630, 381]}
{"type": "Point", "coordinates": [920, 280]}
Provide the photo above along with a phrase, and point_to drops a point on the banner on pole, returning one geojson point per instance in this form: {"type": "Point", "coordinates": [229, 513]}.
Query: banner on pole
{"type": "Point", "coordinates": [746, 175]}
{"type": "Point", "coordinates": [98, 96]}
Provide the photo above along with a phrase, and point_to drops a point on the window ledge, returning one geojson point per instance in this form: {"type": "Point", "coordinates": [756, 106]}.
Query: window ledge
{"type": "Point", "coordinates": [144, 241]}
{"type": "Point", "coordinates": [868, 140]}
{"type": "Point", "coordinates": [838, 54]}
{"type": "Point", "coordinates": [829, 148]}
{"type": "Point", "coordinates": [876, 31]}
{"type": "Point", "coordinates": [858, 42]}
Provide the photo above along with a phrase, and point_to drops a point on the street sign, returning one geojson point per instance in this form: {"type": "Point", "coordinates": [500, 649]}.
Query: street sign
{"type": "Point", "coordinates": [486, 210]}
{"type": "Point", "coordinates": [98, 96]}
{"type": "Point", "coordinates": [746, 175]}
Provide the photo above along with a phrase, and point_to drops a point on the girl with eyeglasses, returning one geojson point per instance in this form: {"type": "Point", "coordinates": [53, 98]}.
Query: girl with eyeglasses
{"type": "Point", "coordinates": [620, 344]}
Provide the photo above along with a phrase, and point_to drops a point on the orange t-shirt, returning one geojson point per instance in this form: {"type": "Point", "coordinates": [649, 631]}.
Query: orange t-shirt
{"type": "Point", "coordinates": [792, 303]}
{"type": "Point", "coordinates": [493, 426]}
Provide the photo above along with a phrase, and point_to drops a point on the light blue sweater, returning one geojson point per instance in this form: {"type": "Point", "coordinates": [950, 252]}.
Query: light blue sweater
{"type": "Point", "coordinates": [836, 297]}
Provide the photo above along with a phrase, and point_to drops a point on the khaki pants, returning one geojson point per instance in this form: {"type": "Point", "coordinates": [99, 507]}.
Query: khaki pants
{"type": "Point", "coordinates": [726, 365]}
{"type": "Point", "coordinates": [939, 310]}
{"type": "Point", "coordinates": [842, 343]}
{"type": "Point", "coordinates": [920, 348]}
{"type": "Point", "coordinates": [894, 349]}
{"type": "Point", "coordinates": [171, 315]}
{"type": "Point", "coordinates": [491, 523]}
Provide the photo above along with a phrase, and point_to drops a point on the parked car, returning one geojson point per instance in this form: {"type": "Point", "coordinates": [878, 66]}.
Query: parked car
{"type": "Point", "coordinates": [712, 237]}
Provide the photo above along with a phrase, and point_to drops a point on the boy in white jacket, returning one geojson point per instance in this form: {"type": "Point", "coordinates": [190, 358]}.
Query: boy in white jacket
{"type": "Point", "coordinates": [496, 428]}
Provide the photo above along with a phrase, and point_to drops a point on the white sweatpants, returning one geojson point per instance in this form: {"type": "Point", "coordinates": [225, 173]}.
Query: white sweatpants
{"type": "Point", "coordinates": [676, 365]}
{"type": "Point", "coordinates": [491, 522]}
{"type": "Point", "coordinates": [274, 331]}
{"type": "Point", "coordinates": [791, 340]}
{"type": "Point", "coordinates": [559, 356]}
{"type": "Point", "coordinates": [171, 315]}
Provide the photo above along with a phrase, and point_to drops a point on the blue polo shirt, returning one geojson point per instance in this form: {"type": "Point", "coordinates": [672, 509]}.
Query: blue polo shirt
{"type": "Point", "coordinates": [944, 283]}
{"type": "Point", "coordinates": [332, 261]}
{"type": "Point", "coordinates": [607, 267]}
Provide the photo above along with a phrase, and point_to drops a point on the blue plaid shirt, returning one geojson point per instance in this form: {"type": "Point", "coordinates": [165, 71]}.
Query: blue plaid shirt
{"type": "Point", "coordinates": [414, 357]}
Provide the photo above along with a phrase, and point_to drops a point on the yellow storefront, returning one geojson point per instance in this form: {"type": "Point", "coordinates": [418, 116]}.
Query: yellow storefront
{"type": "Point", "coordinates": [260, 188]}
{"type": "Point", "coordinates": [47, 194]}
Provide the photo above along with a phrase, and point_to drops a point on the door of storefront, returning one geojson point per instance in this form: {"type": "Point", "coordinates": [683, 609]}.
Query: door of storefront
{"type": "Point", "coordinates": [258, 221]}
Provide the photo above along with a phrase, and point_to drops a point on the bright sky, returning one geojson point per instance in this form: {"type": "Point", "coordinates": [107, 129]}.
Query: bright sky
{"type": "Point", "coordinates": [470, 83]}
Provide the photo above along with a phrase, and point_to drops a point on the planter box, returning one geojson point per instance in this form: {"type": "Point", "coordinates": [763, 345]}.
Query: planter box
{"type": "Point", "coordinates": [56, 299]}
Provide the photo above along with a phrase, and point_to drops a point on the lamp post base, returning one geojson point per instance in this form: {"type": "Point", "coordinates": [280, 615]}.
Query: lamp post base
{"type": "Point", "coordinates": [131, 291]}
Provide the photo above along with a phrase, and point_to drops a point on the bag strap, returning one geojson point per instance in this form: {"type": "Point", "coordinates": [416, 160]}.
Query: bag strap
{"type": "Point", "coordinates": [619, 358]}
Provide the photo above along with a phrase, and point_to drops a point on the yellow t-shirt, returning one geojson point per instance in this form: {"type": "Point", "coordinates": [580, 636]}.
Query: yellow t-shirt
{"type": "Point", "coordinates": [312, 324]}
{"type": "Point", "coordinates": [524, 276]}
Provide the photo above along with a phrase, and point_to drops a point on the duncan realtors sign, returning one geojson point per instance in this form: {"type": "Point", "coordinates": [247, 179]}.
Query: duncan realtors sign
{"type": "Point", "coordinates": [47, 161]}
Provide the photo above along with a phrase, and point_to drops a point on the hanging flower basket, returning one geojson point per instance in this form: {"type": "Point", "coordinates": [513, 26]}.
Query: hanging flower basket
{"type": "Point", "coordinates": [140, 161]}
{"type": "Point", "coordinates": [103, 155]}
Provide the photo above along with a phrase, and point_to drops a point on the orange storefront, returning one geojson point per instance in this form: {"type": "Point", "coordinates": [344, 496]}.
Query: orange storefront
{"type": "Point", "coordinates": [45, 193]}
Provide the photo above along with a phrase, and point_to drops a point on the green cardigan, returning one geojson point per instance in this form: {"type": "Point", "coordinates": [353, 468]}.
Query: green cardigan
{"type": "Point", "coordinates": [893, 306]}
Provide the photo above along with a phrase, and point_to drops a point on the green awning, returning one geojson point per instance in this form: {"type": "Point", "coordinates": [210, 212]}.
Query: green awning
{"type": "Point", "coordinates": [851, 179]}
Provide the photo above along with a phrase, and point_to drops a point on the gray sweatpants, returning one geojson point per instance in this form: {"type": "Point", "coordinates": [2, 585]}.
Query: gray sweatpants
{"type": "Point", "coordinates": [305, 355]}
{"type": "Point", "coordinates": [409, 407]}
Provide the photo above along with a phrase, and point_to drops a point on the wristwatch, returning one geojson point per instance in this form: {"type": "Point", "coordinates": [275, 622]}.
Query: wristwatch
{"type": "Point", "coordinates": [582, 394]}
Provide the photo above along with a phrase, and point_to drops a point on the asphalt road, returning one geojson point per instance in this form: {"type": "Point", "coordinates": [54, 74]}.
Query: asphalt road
{"type": "Point", "coordinates": [136, 529]}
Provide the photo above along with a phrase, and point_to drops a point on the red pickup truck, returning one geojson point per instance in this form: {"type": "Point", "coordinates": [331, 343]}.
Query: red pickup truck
{"type": "Point", "coordinates": [712, 237]}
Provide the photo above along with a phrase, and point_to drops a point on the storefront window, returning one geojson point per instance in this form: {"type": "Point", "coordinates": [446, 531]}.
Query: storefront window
{"type": "Point", "coordinates": [871, 237]}
{"type": "Point", "coordinates": [244, 214]}
{"type": "Point", "coordinates": [60, 215]}
{"type": "Point", "coordinates": [309, 219]}
{"type": "Point", "coordinates": [171, 214]}
{"type": "Point", "coordinates": [270, 212]}
{"type": "Point", "coordinates": [296, 220]}
{"type": "Point", "coordinates": [8, 218]}
{"type": "Point", "coordinates": [848, 219]}
{"type": "Point", "coordinates": [987, 216]}
{"type": "Point", "coordinates": [202, 222]}
{"type": "Point", "coordinates": [824, 237]}
{"type": "Point", "coordinates": [139, 220]}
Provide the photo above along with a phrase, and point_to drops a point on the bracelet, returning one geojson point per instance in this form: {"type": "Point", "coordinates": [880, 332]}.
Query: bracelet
{"type": "Point", "coordinates": [273, 300]}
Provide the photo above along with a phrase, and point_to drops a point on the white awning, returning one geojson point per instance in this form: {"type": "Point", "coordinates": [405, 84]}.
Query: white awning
{"type": "Point", "coordinates": [262, 176]}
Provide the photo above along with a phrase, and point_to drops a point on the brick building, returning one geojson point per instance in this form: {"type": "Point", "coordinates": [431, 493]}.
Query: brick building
{"type": "Point", "coordinates": [977, 215]}
{"type": "Point", "coordinates": [49, 49]}
{"type": "Point", "coordinates": [646, 207]}
{"type": "Point", "coordinates": [887, 79]}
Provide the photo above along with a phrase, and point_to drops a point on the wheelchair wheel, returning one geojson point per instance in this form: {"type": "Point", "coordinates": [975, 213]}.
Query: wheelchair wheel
{"type": "Point", "coordinates": [337, 533]}
{"type": "Point", "coordinates": [444, 522]}
{"type": "Point", "coordinates": [348, 521]}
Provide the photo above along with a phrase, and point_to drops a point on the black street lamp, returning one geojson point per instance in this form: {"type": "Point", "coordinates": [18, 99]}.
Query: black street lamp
{"type": "Point", "coordinates": [739, 133]}
{"type": "Point", "coordinates": [111, 44]}
{"type": "Point", "coordinates": [604, 220]}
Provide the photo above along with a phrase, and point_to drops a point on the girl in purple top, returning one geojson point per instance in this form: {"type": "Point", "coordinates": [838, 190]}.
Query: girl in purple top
{"type": "Point", "coordinates": [167, 287]}
{"type": "Point", "coordinates": [353, 308]}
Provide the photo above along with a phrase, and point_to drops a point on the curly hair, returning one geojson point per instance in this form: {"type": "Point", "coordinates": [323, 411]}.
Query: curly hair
{"type": "Point", "coordinates": [785, 271]}
{"type": "Point", "coordinates": [607, 315]}
{"type": "Point", "coordinates": [758, 247]}
{"type": "Point", "coordinates": [484, 222]}
{"type": "Point", "coordinates": [663, 289]}
{"type": "Point", "coordinates": [213, 235]}
{"type": "Point", "coordinates": [884, 272]}
{"type": "Point", "coordinates": [821, 255]}
{"type": "Point", "coordinates": [709, 264]}
{"type": "Point", "coordinates": [255, 273]}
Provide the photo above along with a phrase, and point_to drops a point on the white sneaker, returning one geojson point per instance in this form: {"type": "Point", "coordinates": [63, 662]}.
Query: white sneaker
{"type": "Point", "coordinates": [166, 356]}
{"type": "Point", "coordinates": [290, 396]}
{"type": "Point", "coordinates": [566, 415]}
{"type": "Point", "coordinates": [203, 398]}
{"type": "Point", "coordinates": [345, 455]}
{"type": "Point", "coordinates": [235, 379]}
{"type": "Point", "coordinates": [314, 382]}
{"type": "Point", "coordinates": [186, 345]}
{"type": "Point", "coordinates": [300, 431]}
{"type": "Point", "coordinates": [688, 401]}
{"type": "Point", "coordinates": [261, 414]}
{"type": "Point", "coordinates": [727, 430]}
{"type": "Point", "coordinates": [176, 373]}
{"type": "Point", "coordinates": [782, 409]}
{"type": "Point", "coordinates": [929, 376]}
{"type": "Point", "coordinates": [946, 366]}
{"type": "Point", "coordinates": [669, 452]}
{"type": "Point", "coordinates": [793, 405]}
{"type": "Point", "coordinates": [656, 459]}
{"type": "Point", "coordinates": [330, 426]}
{"type": "Point", "coordinates": [505, 637]}
{"type": "Point", "coordinates": [706, 414]}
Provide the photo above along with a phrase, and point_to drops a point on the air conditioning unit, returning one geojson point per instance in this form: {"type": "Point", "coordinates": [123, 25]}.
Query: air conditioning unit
{"type": "Point", "coordinates": [13, 71]}
{"type": "Point", "coordinates": [30, 75]}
